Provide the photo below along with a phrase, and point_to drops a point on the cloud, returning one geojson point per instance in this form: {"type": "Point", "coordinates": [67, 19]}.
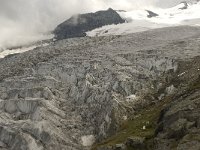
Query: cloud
{"type": "Point", "coordinates": [23, 21]}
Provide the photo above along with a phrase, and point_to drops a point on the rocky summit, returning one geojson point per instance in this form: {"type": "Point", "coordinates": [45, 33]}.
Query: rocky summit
{"type": "Point", "coordinates": [151, 14]}
{"type": "Point", "coordinates": [137, 91]}
{"type": "Point", "coordinates": [78, 25]}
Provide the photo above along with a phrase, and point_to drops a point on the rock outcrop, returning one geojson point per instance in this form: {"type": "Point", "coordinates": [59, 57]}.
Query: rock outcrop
{"type": "Point", "coordinates": [151, 14]}
{"type": "Point", "coordinates": [185, 6]}
{"type": "Point", "coordinates": [78, 25]}
{"type": "Point", "coordinates": [178, 125]}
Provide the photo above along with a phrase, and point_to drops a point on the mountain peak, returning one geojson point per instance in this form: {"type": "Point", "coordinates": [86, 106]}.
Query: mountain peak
{"type": "Point", "coordinates": [77, 26]}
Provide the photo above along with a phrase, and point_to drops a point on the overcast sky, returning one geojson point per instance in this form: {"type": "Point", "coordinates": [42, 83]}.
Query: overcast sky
{"type": "Point", "coordinates": [23, 20]}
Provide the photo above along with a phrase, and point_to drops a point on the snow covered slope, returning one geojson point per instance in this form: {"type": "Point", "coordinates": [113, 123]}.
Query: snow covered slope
{"type": "Point", "coordinates": [125, 28]}
{"type": "Point", "coordinates": [6, 52]}
{"type": "Point", "coordinates": [186, 13]}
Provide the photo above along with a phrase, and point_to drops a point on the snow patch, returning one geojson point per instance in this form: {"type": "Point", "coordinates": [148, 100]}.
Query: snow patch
{"type": "Point", "coordinates": [125, 118]}
{"type": "Point", "coordinates": [88, 140]}
{"type": "Point", "coordinates": [181, 74]}
{"type": "Point", "coordinates": [7, 52]}
{"type": "Point", "coordinates": [131, 98]}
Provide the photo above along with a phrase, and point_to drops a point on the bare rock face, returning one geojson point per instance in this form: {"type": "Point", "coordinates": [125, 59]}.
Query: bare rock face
{"type": "Point", "coordinates": [75, 92]}
{"type": "Point", "coordinates": [178, 126]}
{"type": "Point", "coordinates": [78, 25]}
{"type": "Point", "coordinates": [151, 14]}
{"type": "Point", "coordinates": [185, 5]}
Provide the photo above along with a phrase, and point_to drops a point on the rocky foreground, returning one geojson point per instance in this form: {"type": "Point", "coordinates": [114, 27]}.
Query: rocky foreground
{"type": "Point", "coordinates": [137, 91]}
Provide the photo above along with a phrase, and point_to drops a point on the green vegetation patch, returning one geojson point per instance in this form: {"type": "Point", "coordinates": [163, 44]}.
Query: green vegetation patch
{"type": "Point", "coordinates": [195, 85]}
{"type": "Point", "coordinates": [142, 125]}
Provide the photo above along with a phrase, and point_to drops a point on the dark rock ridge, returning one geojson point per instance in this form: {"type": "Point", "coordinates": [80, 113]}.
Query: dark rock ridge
{"type": "Point", "coordinates": [151, 14]}
{"type": "Point", "coordinates": [78, 25]}
{"type": "Point", "coordinates": [185, 5]}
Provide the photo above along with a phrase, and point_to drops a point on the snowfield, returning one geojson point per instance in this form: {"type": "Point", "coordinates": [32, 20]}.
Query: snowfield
{"type": "Point", "coordinates": [7, 52]}
{"type": "Point", "coordinates": [137, 20]}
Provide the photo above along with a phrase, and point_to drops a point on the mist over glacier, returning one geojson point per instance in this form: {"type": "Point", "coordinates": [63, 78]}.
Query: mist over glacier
{"type": "Point", "coordinates": [23, 21]}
